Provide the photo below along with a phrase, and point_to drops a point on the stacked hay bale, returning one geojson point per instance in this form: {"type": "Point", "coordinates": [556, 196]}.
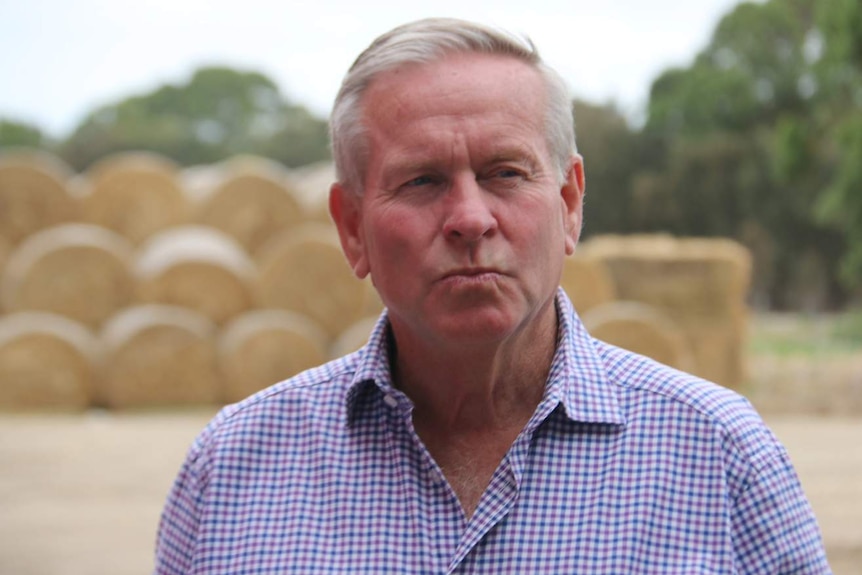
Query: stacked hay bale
{"type": "Point", "coordinates": [262, 347]}
{"type": "Point", "coordinates": [261, 270]}
{"type": "Point", "coordinates": [354, 337]}
{"type": "Point", "coordinates": [312, 185]}
{"type": "Point", "coordinates": [158, 356]}
{"type": "Point", "coordinates": [587, 282]}
{"type": "Point", "coordinates": [46, 361]}
{"type": "Point", "coordinates": [251, 202]}
{"type": "Point", "coordinates": [76, 270]}
{"type": "Point", "coordinates": [640, 328]}
{"type": "Point", "coordinates": [5, 249]}
{"type": "Point", "coordinates": [136, 194]}
{"type": "Point", "coordinates": [700, 284]}
{"type": "Point", "coordinates": [198, 268]}
{"type": "Point", "coordinates": [305, 271]}
{"type": "Point", "coordinates": [33, 194]}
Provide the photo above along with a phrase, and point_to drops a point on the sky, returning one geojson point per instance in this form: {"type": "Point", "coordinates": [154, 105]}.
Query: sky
{"type": "Point", "coordinates": [60, 59]}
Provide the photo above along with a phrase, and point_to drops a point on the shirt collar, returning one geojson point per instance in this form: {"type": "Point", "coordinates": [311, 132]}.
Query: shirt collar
{"type": "Point", "coordinates": [577, 379]}
{"type": "Point", "coordinates": [372, 367]}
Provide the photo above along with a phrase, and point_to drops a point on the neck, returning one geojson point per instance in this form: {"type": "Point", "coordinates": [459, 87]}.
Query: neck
{"type": "Point", "coordinates": [489, 387]}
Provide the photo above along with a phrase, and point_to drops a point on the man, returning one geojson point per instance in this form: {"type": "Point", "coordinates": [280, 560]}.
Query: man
{"type": "Point", "coordinates": [481, 430]}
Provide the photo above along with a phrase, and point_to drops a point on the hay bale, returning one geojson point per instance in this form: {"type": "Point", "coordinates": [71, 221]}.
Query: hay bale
{"type": "Point", "coordinates": [33, 194]}
{"type": "Point", "coordinates": [305, 271]}
{"type": "Point", "coordinates": [701, 284]}
{"type": "Point", "coordinates": [694, 276]}
{"type": "Point", "coordinates": [587, 282]}
{"type": "Point", "coordinates": [262, 347]}
{"type": "Point", "coordinates": [354, 337]}
{"type": "Point", "coordinates": [252, 203]}
{"type": "Point", "coordinates": [640, 328]}
{"type": "Point", "coordinates": [76, 270]}
{"type": "Point", "coordinates": [312, 183]}
{"type": "Point", "coordinates": [46, 361]}
{"type": "Point", "coordinates": [196, 267]}
{"type": "Point", "coordinates": [199, 181]}
{"type": "Point", "coordinates": [159, 356]}
{"type": "Point", "coordinates": [136, 194]}
{"type": "Point", "coordinates": [5, 249]}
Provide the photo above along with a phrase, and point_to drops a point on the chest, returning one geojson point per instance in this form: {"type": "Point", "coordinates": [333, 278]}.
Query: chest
{"type": "Point", "coordinates": [469, 464]}
{"type": "Point", "coordinates": [580, 503]}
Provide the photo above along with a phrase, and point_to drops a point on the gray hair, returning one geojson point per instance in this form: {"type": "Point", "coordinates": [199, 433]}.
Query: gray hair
{"type": "Point", "coordinates": [426, 41]}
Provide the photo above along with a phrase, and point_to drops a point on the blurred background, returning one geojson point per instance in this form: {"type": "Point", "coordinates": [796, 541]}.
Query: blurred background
{"type": "Point", "coordinates": [165, 246]}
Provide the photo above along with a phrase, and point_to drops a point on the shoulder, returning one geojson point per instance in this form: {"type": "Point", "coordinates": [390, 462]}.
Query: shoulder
{"type": "Point", "coordinates": [297, 406]}
{"type": "Point", "coordinates": [323, 383]}
{"type": "Point", "coordinates": [647, 388]}
{"type": "Point", "coordinates": [705, 428]}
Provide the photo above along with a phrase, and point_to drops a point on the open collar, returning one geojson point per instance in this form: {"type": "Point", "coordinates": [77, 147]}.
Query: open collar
{"type": "Point", "coordinates": [578, 379]}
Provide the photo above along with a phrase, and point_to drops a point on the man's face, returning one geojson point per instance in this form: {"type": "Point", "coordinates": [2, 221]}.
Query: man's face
{"type": "Point", "coordinates": [463, 224]}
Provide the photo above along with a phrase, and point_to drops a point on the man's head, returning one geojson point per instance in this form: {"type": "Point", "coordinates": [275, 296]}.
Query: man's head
{"type": "Point", "coordinates": [466, 207]}
{"type": "Point", "coordinates": [425, 41]}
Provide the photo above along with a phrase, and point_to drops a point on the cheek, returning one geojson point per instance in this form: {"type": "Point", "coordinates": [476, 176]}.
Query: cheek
{"type": "Point", "coordinates": [542, 227]}
{"type": "Point", "coordinates": [392, 240]}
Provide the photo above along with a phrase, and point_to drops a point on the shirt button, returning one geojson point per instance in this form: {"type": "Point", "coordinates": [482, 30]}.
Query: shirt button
{"type": "Point", "coordinates": [390, 400]}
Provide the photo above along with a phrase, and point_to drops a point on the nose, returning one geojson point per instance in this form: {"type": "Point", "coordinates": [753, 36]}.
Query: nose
{"type": "Point", "coordinates": [468, 212]}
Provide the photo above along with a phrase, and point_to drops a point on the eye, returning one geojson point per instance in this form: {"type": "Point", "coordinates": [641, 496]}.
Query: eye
{"type": "Point", "coordinates": [505, 177]}
{"type": "Point", "coordinates": [508, 173]}
{"type": "Point", "coordinates": [418, 182]}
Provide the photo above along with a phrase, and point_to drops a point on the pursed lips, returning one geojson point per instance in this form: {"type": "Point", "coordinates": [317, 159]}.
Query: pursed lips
{"type": "Point", "coordinates": [471, 272]}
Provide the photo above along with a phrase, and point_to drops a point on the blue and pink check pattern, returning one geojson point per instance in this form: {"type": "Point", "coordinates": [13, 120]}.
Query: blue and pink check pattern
{"type": "Point", "coordinates": [626, 467]}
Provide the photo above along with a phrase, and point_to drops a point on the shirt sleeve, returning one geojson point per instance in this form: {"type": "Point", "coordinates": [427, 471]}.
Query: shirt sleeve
{"type": "Point", "coordinates": [178, 528]}
{"type": "Point", "coordinates": [774, 529]}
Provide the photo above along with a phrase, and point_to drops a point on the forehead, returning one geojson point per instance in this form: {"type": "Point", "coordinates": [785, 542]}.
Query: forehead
{"type": "Point", "coordinates": [500, 96]}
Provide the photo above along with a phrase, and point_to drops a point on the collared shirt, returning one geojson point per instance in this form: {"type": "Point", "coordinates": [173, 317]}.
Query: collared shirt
{"type": "Point", "coordinates": [626, 467]}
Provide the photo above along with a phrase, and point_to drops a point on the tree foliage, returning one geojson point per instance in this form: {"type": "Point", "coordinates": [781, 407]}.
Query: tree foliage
{"type": "Point", "coordinates": [610, 148]}
{"type": "Point", "coordinates": [14, 133]}
{"type": "Point", "coordinates": [763, 131]}
{"type": "Point", "coordinates": [218, 113]}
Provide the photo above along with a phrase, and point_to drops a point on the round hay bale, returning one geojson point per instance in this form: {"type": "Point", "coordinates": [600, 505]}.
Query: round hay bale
{"type": "Point", "coordinates": [33, 194]}
{"type": "Point", "coordinates": [252, 203]}
{"type": "Point", "coordinates": [639, 328]}
{"type": "Point", "coordinates": [196, 267]}
{"type": "Point", "coordinates": [353, 338]}
{"type": "Point", "coordinates": [262, 347]}
{"type": "Point", "coordinates": [685, 276]}
{"type": "Point", "coordinates": [5, 248]}
{"type": "Point", "coordinates": [46, 361]}
{"type": "Point", "coordinates": [305, 271]}
{"type": "Point", "coordinates": [136, 194]}
{"type": "Point", "coordinates": [587, 282]}
{"type": "Point", "coordinates": [700, 283]}
{"type": "Point", "coordinates": [312, 183]}
{"type": "Point", "coordinates": [719, 349]}
{"type": "Point", "coordinates": [159, 356]}
{"type": "Point", "coordinates": [198, 182]}
{"type": "Point", "coordinates": [76, 270]}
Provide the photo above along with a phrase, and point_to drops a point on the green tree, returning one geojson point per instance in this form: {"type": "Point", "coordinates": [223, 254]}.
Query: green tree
{"type": "Point", "coordinates": [218, 113]}
{"type": "Point", "coordinates": [838, 69]}
{"type": "Point", "coordinates": [760, 134]}
{"type": "Point", "coordinates": [610, 148]}
{"type": "Point", "coordinates": [13, 133]}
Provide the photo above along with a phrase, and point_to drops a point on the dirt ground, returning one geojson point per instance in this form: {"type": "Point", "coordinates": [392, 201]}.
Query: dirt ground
{"type": "Point", "coordinates": [81, 494]}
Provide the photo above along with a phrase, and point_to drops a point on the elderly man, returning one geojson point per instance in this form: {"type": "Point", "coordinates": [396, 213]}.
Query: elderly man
{"type": "Point", "coordinates": [481, 429]}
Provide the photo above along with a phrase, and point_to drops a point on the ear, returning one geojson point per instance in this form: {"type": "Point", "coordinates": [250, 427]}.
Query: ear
{"type": "Point", "coordinates": [345, 207]}
{"type": "Point", "coordinates": [572, 194]}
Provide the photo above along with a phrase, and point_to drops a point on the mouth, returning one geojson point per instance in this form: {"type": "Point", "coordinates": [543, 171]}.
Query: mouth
{"type": "Point", "coordinates": [472, 274]}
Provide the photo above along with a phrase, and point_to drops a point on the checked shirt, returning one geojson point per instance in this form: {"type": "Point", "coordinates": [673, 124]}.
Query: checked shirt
{"type": "Point", "coordinates": [626, 467]}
